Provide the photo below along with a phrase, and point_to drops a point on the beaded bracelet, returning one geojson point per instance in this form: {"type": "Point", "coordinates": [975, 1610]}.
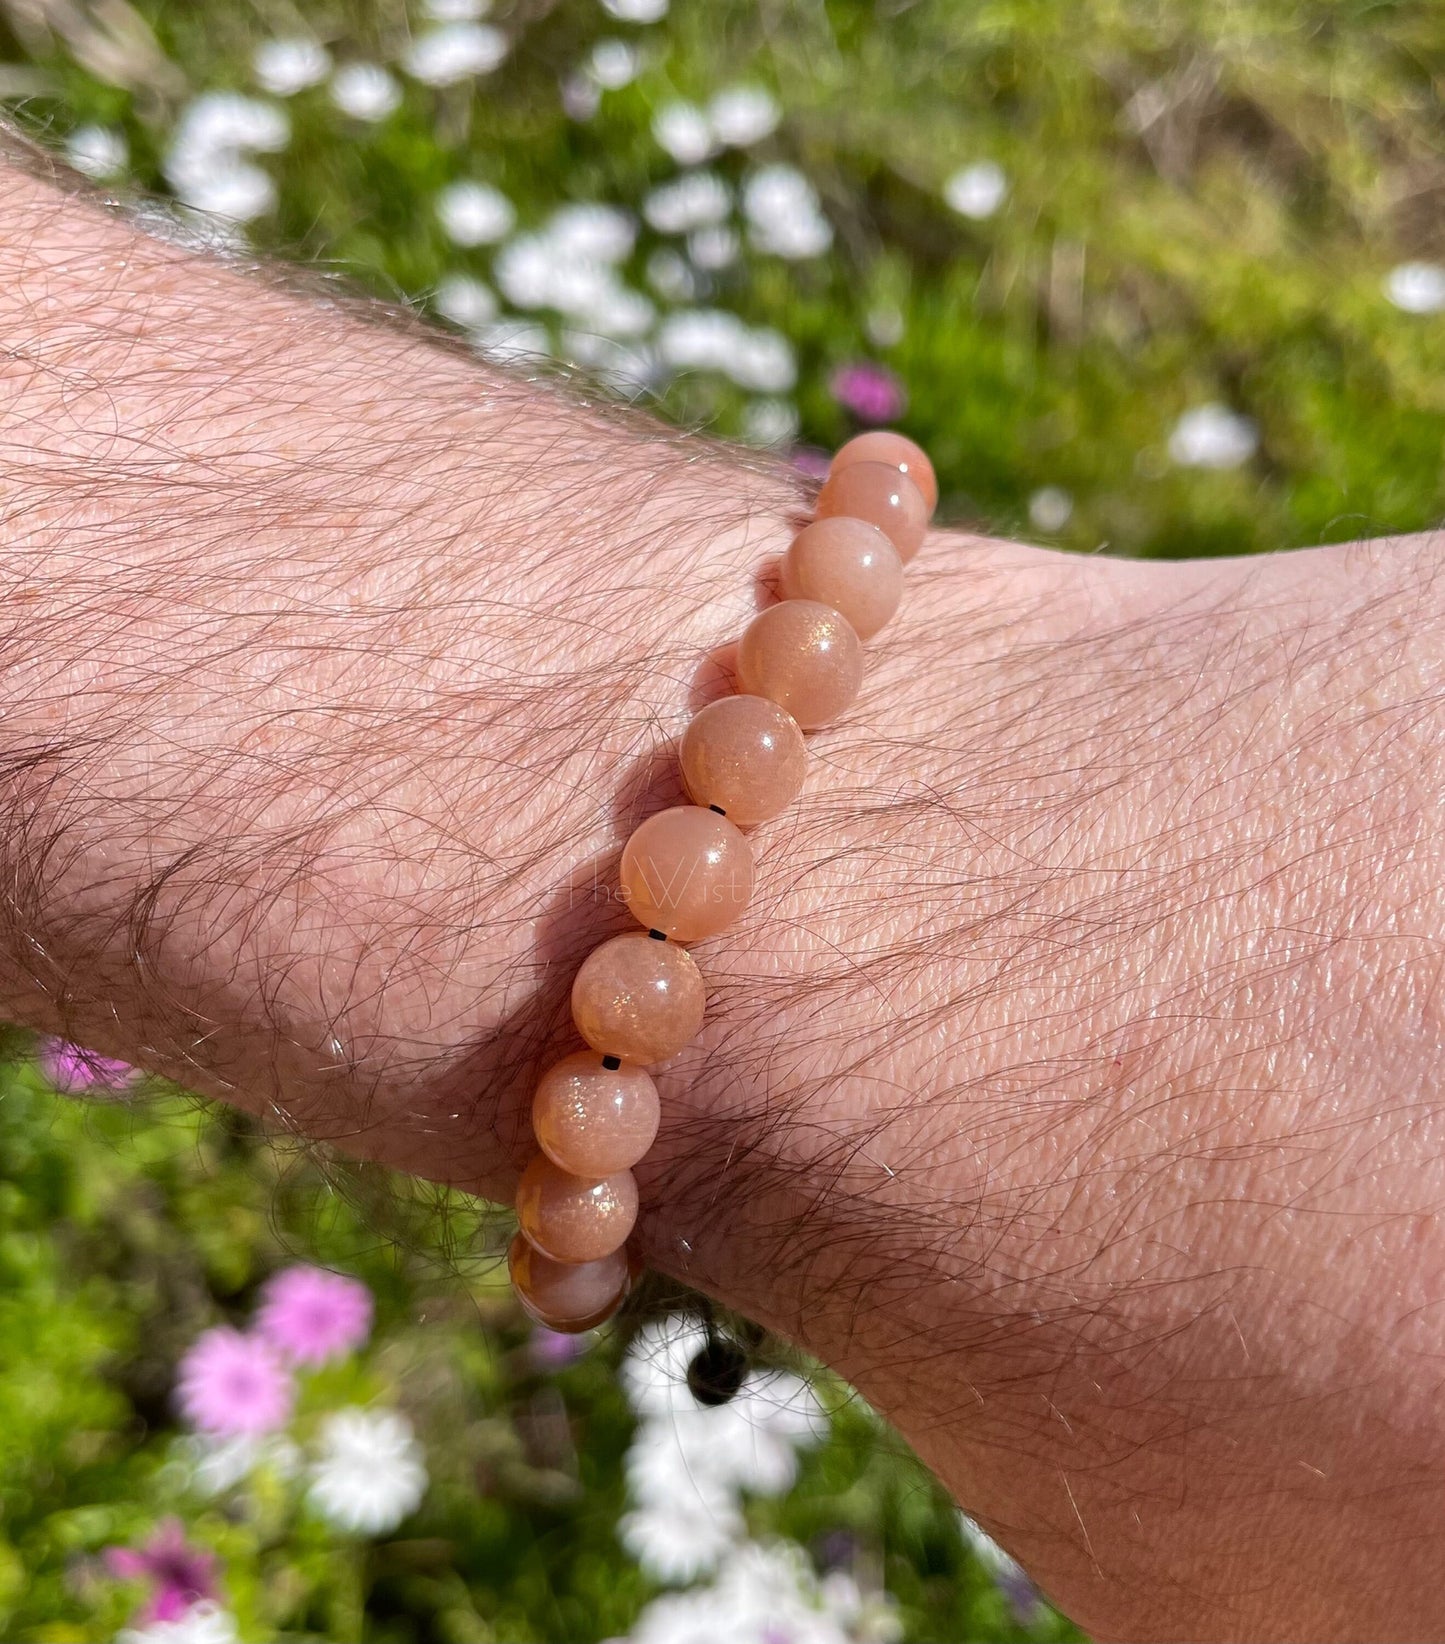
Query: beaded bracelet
{"type": "Point", "coordinates": [687, 873]}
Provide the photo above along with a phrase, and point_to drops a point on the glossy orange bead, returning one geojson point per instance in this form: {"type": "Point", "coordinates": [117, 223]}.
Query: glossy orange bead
{"type": "Point", "coordinates": [848, 564]}
{"type": "Point", "coordinates": [803, 656]}
{"type": "Point", "coordinates": [894, 451]}
{"type": "Point", "coordinates": [594, 1120]}
{"type": "Point", "coordinates": [744, 756]}
{"type": "Point", "coordinates": [875, 492]}
{"type": "Point", "coordinates": [686, 871]}
{"type": "Point", "coordinates": [575, 1218]}
{"type": "Point", "coordinates": [568, 1296]}
{"type": "Point", "coordinates": [638, 999]}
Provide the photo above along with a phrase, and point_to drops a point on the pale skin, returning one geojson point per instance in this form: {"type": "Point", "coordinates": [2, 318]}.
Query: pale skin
{"type": "Point", "coordinates": [1070, 1085]}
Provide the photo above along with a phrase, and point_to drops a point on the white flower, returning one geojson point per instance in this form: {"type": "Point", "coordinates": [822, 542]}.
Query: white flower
{"type": "Point", "coordinates": [680, 1541]}
{"type": "Point", "coordinates": [206, 164]}
{"type": "Point", "coordinates": [769, 422]}
{"type": "Point", "coordinates": [1213, 436]}
{"type": "Point", "coordinates": [456, 11]}
{"type": "Point", "coordinates": [1418, 288]}
{"type": "Point", "coordinates": [284, 67]}
{"type": "Point", "coordinates": [465, 300]}
{"type": "Point", "coordinates": [784, 213]}
{"type": "Point", "coordinates": [743, 115]}
{"type": "Point", "coordinates": [693, 200]}
{"type": "Point", "coordinates": [581, 96]}
{"type": "Point", "coordinates": [619, 311]}
{"type": "Point", "coordinates": [636, 11]}
{"type": "Point", "coordinates": [1050, 507]}
{"type": "Point", "coordinates": [978, 190]}
{"type": "Point", "coordinates": [203, 1623]}
{"type": "Point", "coordinates": [685, 132]}
{"type": "Point", "coordinates": [713, 248]}
{"type": "Point", "coordinates": [369, 1474]}
{"type": "Point", "coordinates": [614, 64]}
{"type": "Point", "coordinates": [218, 121]}
{"type": "Point", "coordinates": [98, 151]}
{"type": "Point", "coordinates": [764, 363]}
{"type": "Point", "coordinates": [474, 213]}
{"type": "Point", "coordinates": [513, 342]}
{"type": "Point", "coordinates": [211, 1466]}
{"type": "Point", "coordinates": [602, 233]}
{"type": "Point", "coordinates": [671, 276]}
{"type": "Point", "coordinates": [703, 339]}
{"type": "Point", "coordinates": [365, 91]}
{"type": "Point", "coordinates": [455, 51]}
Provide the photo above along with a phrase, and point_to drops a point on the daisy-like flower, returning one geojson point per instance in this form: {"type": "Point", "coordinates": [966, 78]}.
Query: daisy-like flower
{"type": "Point", "coordinates": [74, 1071]}
{"type": "Point", "coordinates": [204, 1623]}
{"type": "Point", "coordinates": [697, 199]}
{"type": "Point", "coordinates": [770, 422]}
{"type": "Point", "coordinates": [614, 64]}
{"type": "Point", "coordinates": [592, 229]}
{"type": "Point", "coordinates": [284, 67]}
{"type": "Point", "coordinates": [1213, 436]}
{"type": "Point", "coordinates": [206, 163]}
{"type": "Point", "coordinates": [365, 91]}
{"type": "Point", "coordinates": [1417, 288]}
{"type": "Point", "coordinates": [211, 1466]}
{"type": "Point", "coordinates": [685, 132]}
{"type": "Point", "coordinates": [474, 213]}
{"type": "Point", "coordinates": [784, 213]}
{"type": "Point", "coordinates": [178, 1574]}
{"type": "Point", "coordinates": [98, 151]}
{"type": "Point", "coordinates": [369, 1474]}
{"type": "Point", "coordinates": [455, 51]}
{"type": "Point", "coordinates": [681, 1540]}
{"type": "Point", "coordinates": [465, 300]}
{"type": "Point", "coordinates": [743, 115]}
{"type": "Point", "coordinates": [636, 11]}
{"type": "Point", "coordinates": [977, 190]}
{"type": "Point", "coordinates": [311, 1316]}
{"type": "Point", "coordinates": [871, 392]}
{"type": "Point", "coordinates": [1050, 508]}
{"type": "Point", "coordinates": [231, 1385]}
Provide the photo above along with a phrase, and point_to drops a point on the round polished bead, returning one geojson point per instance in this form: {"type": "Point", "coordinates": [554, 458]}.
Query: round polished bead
{"type": "Point", "coordinates": [568, 1296]}
{"type": "Point", "coordinates": [848, 564]}
{"type": "Point", "coordinates": [875, 492]}
{"type": "Point", "coordinates": [894, 451]}
{"type": "Point", "coordinates": [638, 999]}
{"type": "Point", "coordinates": [744, 756]}
{"type": "Point", "coordinates": [593, 1120]}
{"type": "Point", "coordinates": [575, 1218]}
{"type": "Point", "coordinates": [803, 656]}
{"type": "Point", "coordinates": [687, 871]}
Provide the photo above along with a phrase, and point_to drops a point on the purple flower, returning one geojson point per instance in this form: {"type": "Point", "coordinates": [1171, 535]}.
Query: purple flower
{"type": "Point", "coordinates": [807, 459]}
{"type": "Point", "coordinates": [871, 392]}
{"type": "Point", "coordinates": [230, 1384]}
{"type": "Point", "coordinates": [78, 1072]}
{"type": "Point", "coordinates": [180, 1575]}
{"type": "Point", "coordinates": [552, 1350]}
{"type": "Point", "coordinates": [311, 1316]}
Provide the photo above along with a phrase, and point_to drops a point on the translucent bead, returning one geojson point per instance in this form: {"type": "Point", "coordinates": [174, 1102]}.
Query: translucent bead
{"type": "Point", "coordinates": [638, 999]}
{"type": "Point", "coordinates": [593, 1120]}
{"type": "Point", "coordinates": [575, 1218]}
{"type": "Point", "coordinates": [687, 871]}
{"type": "Point", "coordinates": [568, 1296]}
{"type": "Point", "coordinates": [881, 495]}
{"type": "Point", "coordinates": [895, 451]}
{"type": "Point", "coordinates": [745, 756]}
{"type": "Point", "coordinates": [803, 656]}
{"type": "Point", "coordinates": [850, 565]}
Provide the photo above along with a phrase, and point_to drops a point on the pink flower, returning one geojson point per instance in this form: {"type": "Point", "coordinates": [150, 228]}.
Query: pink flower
{"type": "Point", "coordinates": [309, 1315]}
{"type": "Point", "coordinates": [807, 459]}
{"type": "Point", "coordinates": [551, 1350]}
{"type": "Point", "coordinates": [871, 392]}
{"type": "Point", "coordinates": [180, 1575]}
{"type": "Point", "coordinates": [78, 1072]}
{"type": "Point", "coordinates": [230, 1384]}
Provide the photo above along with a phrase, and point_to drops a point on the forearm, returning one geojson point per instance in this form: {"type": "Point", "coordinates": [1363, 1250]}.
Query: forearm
{"type": "Point", "coordinates": [1085, 988]}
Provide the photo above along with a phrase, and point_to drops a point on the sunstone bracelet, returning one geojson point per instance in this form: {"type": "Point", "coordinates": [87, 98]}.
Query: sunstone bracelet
{"type": "Point", "coordinates": [687, 873]}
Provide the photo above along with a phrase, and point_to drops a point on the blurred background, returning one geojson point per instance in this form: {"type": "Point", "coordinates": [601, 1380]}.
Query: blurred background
{"type": "Point", "coordinates": [1143, 276]}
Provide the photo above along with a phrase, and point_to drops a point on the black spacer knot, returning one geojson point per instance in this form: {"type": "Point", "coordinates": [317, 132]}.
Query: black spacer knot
{"type": "Point", "coordinates": [718, 809]}
{"type": "Point", "coordinates": [658, 935]}
{"type": "Point", "coordinates": [716, 1373]}
{"type": "Point", "coordinates": [612, 1063]}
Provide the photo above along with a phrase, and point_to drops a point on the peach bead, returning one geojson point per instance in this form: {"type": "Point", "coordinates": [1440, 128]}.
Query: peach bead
{"type": "Point", "coordinates": [744, 756]}
{"type": "Point", "coordinates": [687, 871]}
{"type": "Point", "coordinates": [638, 999]}
{"type": "Point", "coordinates": [875, 492]}
{"type": "Point", "coordinates": [568, 1296]}
{"type": "Point", "coordinates": [591, 1119]}
{"type": "Point", "coordinates": [894, 451]}
{"type": "Point", "coordinates": [575, 1218]}
{"type": "Point", "coordinates": [803, 656]}
{"type": "Point", "coordinates": [850, 565]}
